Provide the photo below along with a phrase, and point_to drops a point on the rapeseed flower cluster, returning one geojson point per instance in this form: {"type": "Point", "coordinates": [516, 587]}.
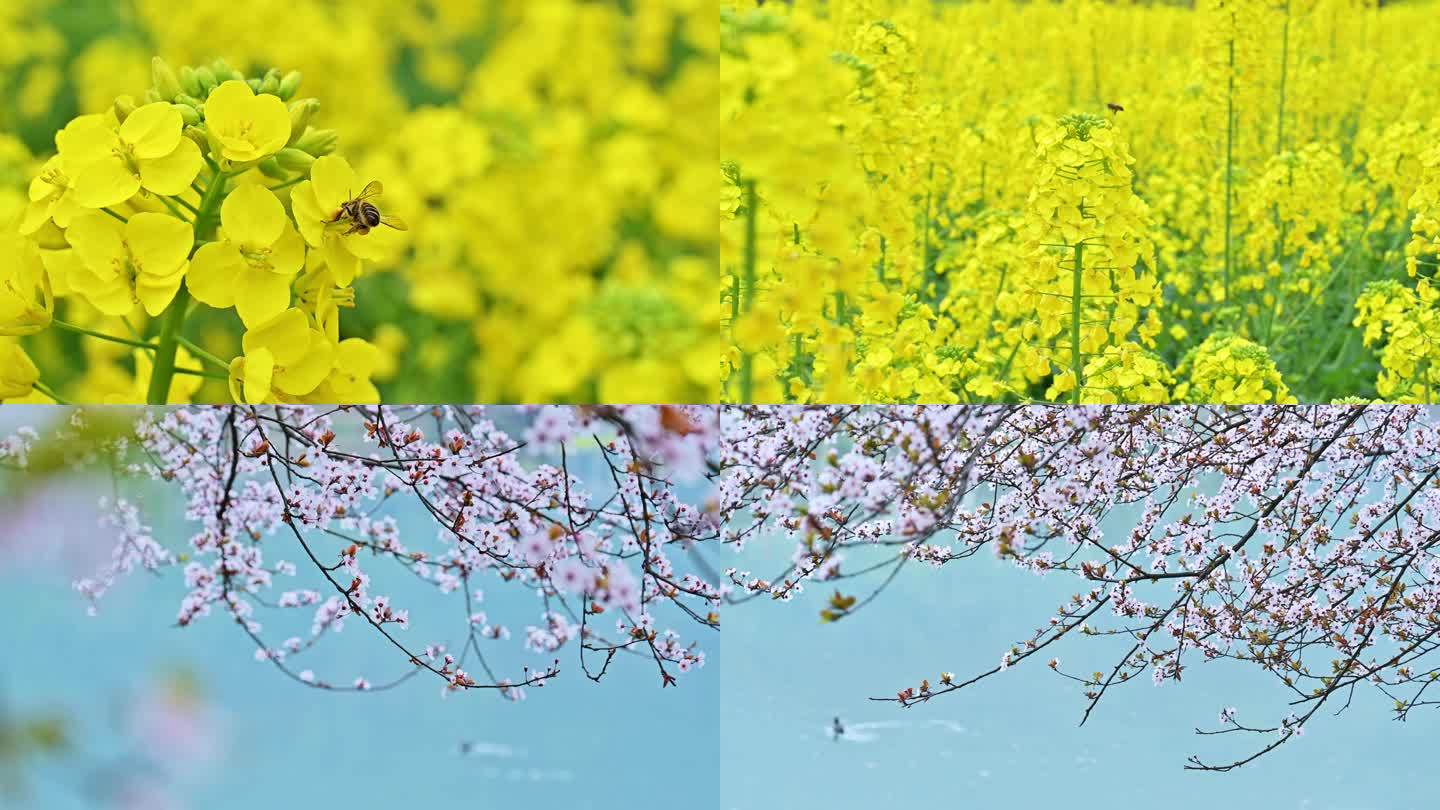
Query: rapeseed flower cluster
{"type": "Point", "coordinates": [1004, 201]}
{"type": "Point", "coordinates": [156, 204]}
{"type": "Point", "coordinates": [543, 156]}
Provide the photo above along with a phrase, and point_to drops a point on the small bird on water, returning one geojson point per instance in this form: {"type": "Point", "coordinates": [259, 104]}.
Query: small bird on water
{"type": "Point", "coordinates": [837, 728]}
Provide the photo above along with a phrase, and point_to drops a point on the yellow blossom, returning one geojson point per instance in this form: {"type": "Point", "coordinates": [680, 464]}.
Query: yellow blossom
{"type": "Point", "coordinates": [245, 126]}
{"type": "Point", "coordinates": [111, 164]}
{"type": "Point", "coordinates": [252, 264]}
{"type": "Point", "coordinates": [122, 264]}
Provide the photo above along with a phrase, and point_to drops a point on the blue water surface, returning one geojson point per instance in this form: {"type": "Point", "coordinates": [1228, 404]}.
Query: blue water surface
{"type": "Point", "coordinates": [1014, 741]}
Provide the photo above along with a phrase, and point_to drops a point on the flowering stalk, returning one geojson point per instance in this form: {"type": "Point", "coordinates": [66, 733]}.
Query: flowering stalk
{"type": "Point", "coordinates": [207, 218]}
{"type": "Point", "coordinates": [1076, 295]}
{"type": "Point", "coordinates": [745, 289]}
{"type": "Point", "coordinates": [1229, 161]}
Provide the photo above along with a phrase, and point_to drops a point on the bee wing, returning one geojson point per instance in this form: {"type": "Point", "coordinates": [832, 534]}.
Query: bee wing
{"type": "Point", "coordinates": [372, 189]}
{"type": "Point", "coordinates": [393, 221]}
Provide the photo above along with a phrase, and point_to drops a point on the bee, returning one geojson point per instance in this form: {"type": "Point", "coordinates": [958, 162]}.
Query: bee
{"type": "Point", "coordinates": [1115, 108]}
{"type": "Point", "coordinates": [363, 215]}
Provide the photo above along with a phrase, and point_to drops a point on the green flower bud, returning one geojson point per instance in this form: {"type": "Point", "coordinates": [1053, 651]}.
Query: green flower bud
{"type": "Point", "coordinates": [188, 114]}
{"type": "Point", "coordinates": [151, 96]}
{"type": "Point", "coordinates": [294, 160]}
{"type": "Point", "coordinates": [254, 85]}
{"type": "Point", "coordinates": [288, 85]}
{"type": "Point", "coordinates": [190, 81]}
{"type": "Point", "coordinates": [317, 142]}
{"type": "Point", "coordinates": [167, 85]}
{"type": "Point", "coordinates": [270, 167]}
{"type": "Point", "coordinates": [223, 71]}
{"type": "Point", "coordinates": [124, 105]}
{"type": "Point", "coordinates": [189, 101]}
{"type": "Point", "coordinates": [197, 135]}
{"type": "Point", "coordinates": [207, 79]}
{"type": "Point", "coordinates": [271, 83]}
{"type": "Point", "coordinates": [300, 114]}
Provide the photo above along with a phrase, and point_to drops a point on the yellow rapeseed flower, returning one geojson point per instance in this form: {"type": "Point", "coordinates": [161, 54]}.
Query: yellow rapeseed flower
{"type": "Point", "coordinates": [316, 204]}
{"type": "Point", "coordinates": [26, 302]}
{"type": "Point", "coordinates": [244, 126]}
{"type": "Point", "coordinates": [111, 164]}
{"type": "Point", "coordinates": [251, 267]}
{"type": "Point", "coordinates": [285, 359]}
{"type": "Point", "coordinates": [124, 263]}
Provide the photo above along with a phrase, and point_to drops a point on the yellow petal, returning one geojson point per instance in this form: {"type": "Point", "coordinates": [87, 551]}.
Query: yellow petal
{"type": "Point", "coordinates": [263, 296]}
{"type": "Point", "coordinates": [86, 139]}
{"type": "Point", "coordinates": [308, 214]}
{"type": "Point", "coordinates": [152, 130]}
{"type": "Point", "coordinates": [160, 242]}
{"type": "Point", "coordinates": [213, 273]}
{"type": "Point", "coordinates": [287, 255]}
{"type": "Point", "coordinates": [259, 373]}
{"type": "Point", "coordinates": [252, 216]}
{"type": "Point", "coordinates": [105, 182]}
{"type": "Point", "coordinates": [270, 124]}
{"type": "Point", "coordinates": [98, 240]}
{"type": "Point", "coordinates": [106, 292]}
{"type": "Point", "coordinates": [173, 173]}
{"type": "Point", "coordinates": [343, 264]}
{"type": "Point", "coordinates": [303, 374]}
{"type": "Point", "coordinates": [156, 292]}
{"type": "Point", "coordinates": [334, 182]}
{"type": "Point", "coordinates": [287, 335]}
{"type": "Point", "coordinates": [225, 107]}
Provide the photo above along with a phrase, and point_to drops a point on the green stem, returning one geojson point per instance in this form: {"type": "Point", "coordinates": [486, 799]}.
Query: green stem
{"type": "Point", "coordinates": [115, 215]}
{"type": "Point", "coordinates": [1229, 163]}
{"type": "Point", "coordinates": [292, 181]}
{"type": "Point", "coordinates": [173, 209]}
{"type": "Point", "coordinates": [80, 330]}
{"type": "Point", "coordinates": [50, 392]}
{"type": "Point", "coordinates": [1284, 68]}
{"type": "Point", "coordinates": [201, 353]}
{"type": "Point", "coordinates": [174, 318]}
{"type": "Point", "coordinates": [164, 371]}
{"type": "Point", "coordinates": [1077, 290]}
{"type": "Point", "coordinates": [745, 290]}
{"type": "Point", "coordinates": [195, 372]}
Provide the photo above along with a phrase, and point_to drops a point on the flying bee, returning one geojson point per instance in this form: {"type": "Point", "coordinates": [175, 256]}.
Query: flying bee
{"type": "Point", "coordinates": [1115, 108]}
{"type": "Point", "coordinates": [363, 215]}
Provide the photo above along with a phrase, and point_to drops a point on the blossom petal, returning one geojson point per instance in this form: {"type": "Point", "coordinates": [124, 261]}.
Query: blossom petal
{"type": "Point", "coordinates": [213, 273]}
{"type": "Point", "coordinates": [334, 182]}
{"type": "Point", "coordinates": [173, 173]}
{"type": "Point", "coordinates": [287, 335]}
{"type": "Point", "coordinates": [343, 264]}
{"type": "Point", "coordinates": [98, 239]}
{"type": "Point", "coordinates": [252, 216]}
{"type": "Point", "coordinates": [153, 130]}
{"type": "Point", "coordinates": [270, 124]}
{"type": "Point", "coordinates": [156, 292]}
{"type": "Point", "coordinates": [259, 375]}
{"type": "Point", "coordinates": [308, 214]}
{"type": "Point", "coordinates": [86, 139]}
{"type": "Point", "coordinates": [263, 296]}
{"type": "Point", "coordinates": [301, 376]}
{"type": "Point", "coordinates": [160, 242]}
{"type": "Point", "coordinates": [225, 106]}
{"type": "Point", "coordinates": [287, 255]}
{"type": "Point", "coordinates": [105, 182]}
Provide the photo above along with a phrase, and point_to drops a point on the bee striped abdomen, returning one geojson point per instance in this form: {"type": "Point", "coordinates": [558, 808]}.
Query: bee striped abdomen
{"type": "Point", "coordinates": [369, 215]}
